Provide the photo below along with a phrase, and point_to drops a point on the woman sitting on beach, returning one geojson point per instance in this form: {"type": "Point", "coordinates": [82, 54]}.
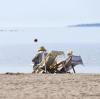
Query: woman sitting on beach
{"type": "Point", "coordinates": [39, 56]}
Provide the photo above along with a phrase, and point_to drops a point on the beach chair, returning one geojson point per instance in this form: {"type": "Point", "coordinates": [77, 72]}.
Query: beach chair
{"type": "Point", "coordinates": [48, 64]}
{"type": "Point", "coordinates": [68, 64]}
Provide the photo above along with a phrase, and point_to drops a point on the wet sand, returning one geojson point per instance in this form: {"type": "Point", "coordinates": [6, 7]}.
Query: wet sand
{"type": "Point", "coordinates": [49, 86]}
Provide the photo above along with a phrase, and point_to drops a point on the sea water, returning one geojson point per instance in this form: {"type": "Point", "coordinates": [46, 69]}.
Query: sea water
{"type": "Point", "coordinates": [17, 47]}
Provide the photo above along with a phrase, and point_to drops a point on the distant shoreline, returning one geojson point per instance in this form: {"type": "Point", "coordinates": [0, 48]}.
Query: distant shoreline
{"type": "Point", "coordinates": [86, 25]}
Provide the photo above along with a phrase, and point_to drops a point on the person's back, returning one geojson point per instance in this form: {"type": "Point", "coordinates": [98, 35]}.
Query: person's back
{"type": "Point", "coordinates": [39, 56]}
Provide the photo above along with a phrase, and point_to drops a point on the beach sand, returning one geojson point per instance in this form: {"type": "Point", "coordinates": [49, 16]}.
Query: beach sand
{"type": "Point", "coordinates": [49, 86]}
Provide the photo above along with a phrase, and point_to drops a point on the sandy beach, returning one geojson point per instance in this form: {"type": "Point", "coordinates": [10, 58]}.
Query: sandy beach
{"type": "Point", "coordinates": [49, 86]}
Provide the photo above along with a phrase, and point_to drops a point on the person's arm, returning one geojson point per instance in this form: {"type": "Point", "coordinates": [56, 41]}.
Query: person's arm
{"type": "Point", "coordinates": [62, 62]}
{"type": "Point", "coordinates": [35, 58]}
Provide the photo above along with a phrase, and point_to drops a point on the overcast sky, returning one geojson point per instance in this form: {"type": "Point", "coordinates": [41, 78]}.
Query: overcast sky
{"type": "Point", "coordinates": [48, 13]}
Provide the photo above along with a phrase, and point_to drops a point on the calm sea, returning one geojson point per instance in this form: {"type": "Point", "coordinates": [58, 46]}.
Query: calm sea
{"type": "Point", "coordinates": [17, 48]}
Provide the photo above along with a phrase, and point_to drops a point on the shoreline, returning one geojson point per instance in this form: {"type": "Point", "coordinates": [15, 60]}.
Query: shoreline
{"type": "Point", "coordinates": [19, 73]}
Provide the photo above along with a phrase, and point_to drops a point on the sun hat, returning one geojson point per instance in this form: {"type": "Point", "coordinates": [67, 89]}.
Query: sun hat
{"type": "Point", "coordinates": [41, 49]}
